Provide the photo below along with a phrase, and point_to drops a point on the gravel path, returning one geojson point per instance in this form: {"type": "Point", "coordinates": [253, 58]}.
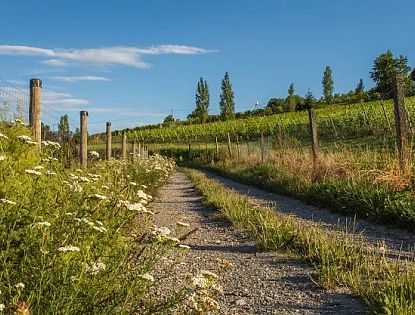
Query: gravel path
{"type": "Point", "coordinates": [399, 243]}
{"type": "Point", "coordinates": [259, 283]}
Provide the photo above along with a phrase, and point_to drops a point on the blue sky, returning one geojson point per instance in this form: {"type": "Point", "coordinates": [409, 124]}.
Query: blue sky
{"type": "Point", "coordinates": [133, 62]}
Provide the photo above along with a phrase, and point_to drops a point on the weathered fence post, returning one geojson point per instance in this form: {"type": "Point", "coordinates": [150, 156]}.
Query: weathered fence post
{"type": "Point", "coordinates": [35, 110]}
{"type": "Point", "coordinates": [313, 134]}
{"type": "Point", "coordinates": [83, 149]}
{"type": "Point", "coordinates": [400, 119]}
{"type": "Point", "coordinates": [124, 144]}
{"type": "Point", "coordinates": [229, 145]}
{"type": "Point", "coordinates": [109, 138]}
{"type": "Point", "coordinates": [139, 150]}
{"type": "Point", "coordinates": [134, 149]}
{"type": "Point", "coordinates": [217, 148]}
{"type": "Point", "coordinates": [262, 144]}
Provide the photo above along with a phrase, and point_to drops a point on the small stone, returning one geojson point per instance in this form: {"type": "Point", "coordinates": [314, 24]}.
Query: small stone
{"type": "Point", "coordinates": [240, 302]}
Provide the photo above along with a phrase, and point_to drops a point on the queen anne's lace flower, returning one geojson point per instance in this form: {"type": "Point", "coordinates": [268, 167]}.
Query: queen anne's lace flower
{"type": "Point", "coordinates": [6, 201]}
{"type": "Point", "coordinates": [69, 249]}
{"type": "Point", "coordinates": [94, 154]}
{"type": "Point", "coordinates": [147, 277]}
{"type": "Point", "coordinates": [2, 158]}
{"type": "Point", "coordinates": [44, 223]}
{"type": "Point", "coordinates": [33, 172]}
{"type": "Point", "coordinates": [3, 136]}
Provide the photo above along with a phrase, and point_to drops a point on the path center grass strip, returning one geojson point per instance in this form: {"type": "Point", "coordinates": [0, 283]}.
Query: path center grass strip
{"type": "Point", "coordinates": [387, 286]}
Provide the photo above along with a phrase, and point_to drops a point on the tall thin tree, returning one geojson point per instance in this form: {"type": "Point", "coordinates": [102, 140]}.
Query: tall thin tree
{"type": "Point", "coordinates": [201, 112]}
{"type": "Point", "coordinates": [328, 85]}
{"type": "Point", "coordinates": [291, 101]}
{"type": "Point", "coordinates": [227, 104]}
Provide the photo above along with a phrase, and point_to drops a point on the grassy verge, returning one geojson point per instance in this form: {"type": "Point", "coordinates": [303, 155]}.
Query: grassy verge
{"type": "Point", "coordinates": [82, 241]}
{"type": "Point", "coordinates": [388, 287]}
{"type": "Point", "coordinates": [351, 197]}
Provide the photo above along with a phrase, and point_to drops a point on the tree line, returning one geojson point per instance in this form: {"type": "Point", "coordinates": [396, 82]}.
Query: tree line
{"type": "Point", "coordinates": [386, 67]}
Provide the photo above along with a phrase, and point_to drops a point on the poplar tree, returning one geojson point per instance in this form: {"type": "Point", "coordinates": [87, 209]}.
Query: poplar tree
{"type": "Point", "coordinates": [227, 104]}
{"type": "Point", "coordinates": [201, 111]}
{"type": "Point", "coordinates": [328, 85]}
{"type": "Point", "coordinates": [291, 101]}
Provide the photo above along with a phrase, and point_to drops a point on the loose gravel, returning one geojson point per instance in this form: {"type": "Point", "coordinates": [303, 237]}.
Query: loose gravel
{"type": "Point", "coordinates": [259, 282]}
{"type": "Point", "coordinates": [397, 242]}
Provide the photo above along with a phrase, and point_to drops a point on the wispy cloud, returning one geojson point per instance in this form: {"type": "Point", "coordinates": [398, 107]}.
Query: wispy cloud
{"type": "Point", "coordinates": [118, 55]}
{"type": "Point", "coordinates": [61, 101]}
{"type": "Point", "coordinates": [80, 78]}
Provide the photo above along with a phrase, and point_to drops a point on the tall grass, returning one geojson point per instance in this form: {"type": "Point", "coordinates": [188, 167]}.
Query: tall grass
{"type": "Point", "coordinates": [340, 259]}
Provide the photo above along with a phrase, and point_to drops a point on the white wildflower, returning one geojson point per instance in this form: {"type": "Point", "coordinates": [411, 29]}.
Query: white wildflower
{"type": "Point", "coordinates": [19, 121]}
{"type": "Point", "coordinates": [184, 246]}
{"type": "Point", "coordinates": [95, 268]}
{"type": "Point", "coordinates": [99, 228]}
{"type": "Point", "coordinates": [69, 249]}
{"type": "Point", "coordinates": [141, 194]}
{"type": "Point", "coordinates": [79, 170]}
{"type": "Point", "coordinates": [105, 187]}
{"type": "Point", "coordinates": [94, 154]}
{"type": "Point", "coordinates": [44, 223]}
{"type": "Point", "coordinates": [33, 172]}
{"type": "Point", "coordinates": [24, 138]}
{"type": "Point", "coordinates": [50, 173]}
{"type": "Point", "coordinates": [38, 168]}
{"type": "Point", "coordinates": [2, 307]}
{"type": "Point", "coordinates": [147, 277]}
{"type": "Point", "coordinates": [84, 179]}
{"type": "Point", "coordinates": [6, 201]}
{"type": "Point", "coordinates": [97, 196]}
{"type": "Point", "coordinates": [133, 184]}
{"type": "Point", "coordinates": [2, 158]}
{"type": "Point", "coordinates": [3, 136]}
{"type": "Point", "coordinates": [19, 285]}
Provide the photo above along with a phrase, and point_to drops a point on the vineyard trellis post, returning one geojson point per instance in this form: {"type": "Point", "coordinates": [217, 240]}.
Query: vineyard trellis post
{"type": "Point", "coordinates": [108, 145]}
{"type": "Point", "coordinates": [313, 135]}
{"type": "Point", "coordinates": [262, 144]}
{"type": "Point", "coordinates": [35, 110]}
{"type": "Point", "coordinates": [124, 144]}
{"type": "Point", "coordinates": [229, 146]}
{"type": "Point", "coordinates": [400, 119]}
{"type": "Point", "coordinates": [133, 151]}
{"type": "Point", "coordinates": [83, 154]}
{"type": "Point", "coordinates": [139, 150]}
{"type": "Point", "coordinates": [190, 150]}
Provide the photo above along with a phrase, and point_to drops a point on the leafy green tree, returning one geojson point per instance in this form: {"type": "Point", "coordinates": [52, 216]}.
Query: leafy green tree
{"type": "Point", "coordinates": [385, 70]}
{"type": "Point", "coordinates": [63, 126]}
{"type": "Point", "coordinates": [328, 85]}
{"type": "Point", "coordinates": [360, 90]}
{"type": "Point", "coordinates": [227, 104]}
{"type": "Point", "coordinates": [201, 112]}
{"type": "Point", "coordinates": [310, 100]}
{"type": "Point", "coordinates": [291, 103]}
{"type": "Point", "coordinates": [168, 120]}
{"type": "Point", "coordinates": [413, 75]}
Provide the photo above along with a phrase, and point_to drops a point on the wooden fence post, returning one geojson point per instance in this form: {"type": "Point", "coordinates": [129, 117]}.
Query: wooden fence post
{"type": "Point", "coordinates": [35, 110]}
{"type": "Point", "coordinates": [313, 134]}
{"type": "Point", "coordinates": [262, 144]}
{"type": "Point", "coordinates": [124, 144]}
{"type": "Point", "coordinates": [139, 150]}
{"type": "Point", "coordinates": [400, 119]}
{"type": "Point", "coordinates": [229, 145]}
{"type": "Point", "coordinates": [134, 151]}
{"type": "Point", "coordinates": [108, 145]}
{"type": "Point", "coordinates": [84, 139]}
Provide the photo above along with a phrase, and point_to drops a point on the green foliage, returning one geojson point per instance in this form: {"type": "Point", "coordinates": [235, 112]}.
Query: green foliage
{"type": "Point", "coordinates": [310, 100]}
{"type": "Point", "coordinates": [202, 102]}
{"type": "Point", "coordinates": [385, 70]}
{"type": "Point", "coordinates": [328, 85]}
{"type": "Point", "coordinates": [227, 104]}
{"type": "Point", "coordinates": [340, 259]}
{"type": "Point", "coordinates": [168, 120]}
{"type": "Point", "coordinates": [291, 99]}
{"type": "Point", "coordinates": [83, 242]}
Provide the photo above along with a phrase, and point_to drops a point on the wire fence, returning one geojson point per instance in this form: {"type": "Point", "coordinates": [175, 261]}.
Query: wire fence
{"type": "Point", "coordinates": [14, 102]}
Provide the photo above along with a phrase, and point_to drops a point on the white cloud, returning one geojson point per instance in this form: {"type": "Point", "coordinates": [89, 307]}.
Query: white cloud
{"type": "Point", "coordinates": [117, 55]}
{"type": "Point", "coordinates": [80, 78]}
{"type": "Point", "coordinates": [60, 101]}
